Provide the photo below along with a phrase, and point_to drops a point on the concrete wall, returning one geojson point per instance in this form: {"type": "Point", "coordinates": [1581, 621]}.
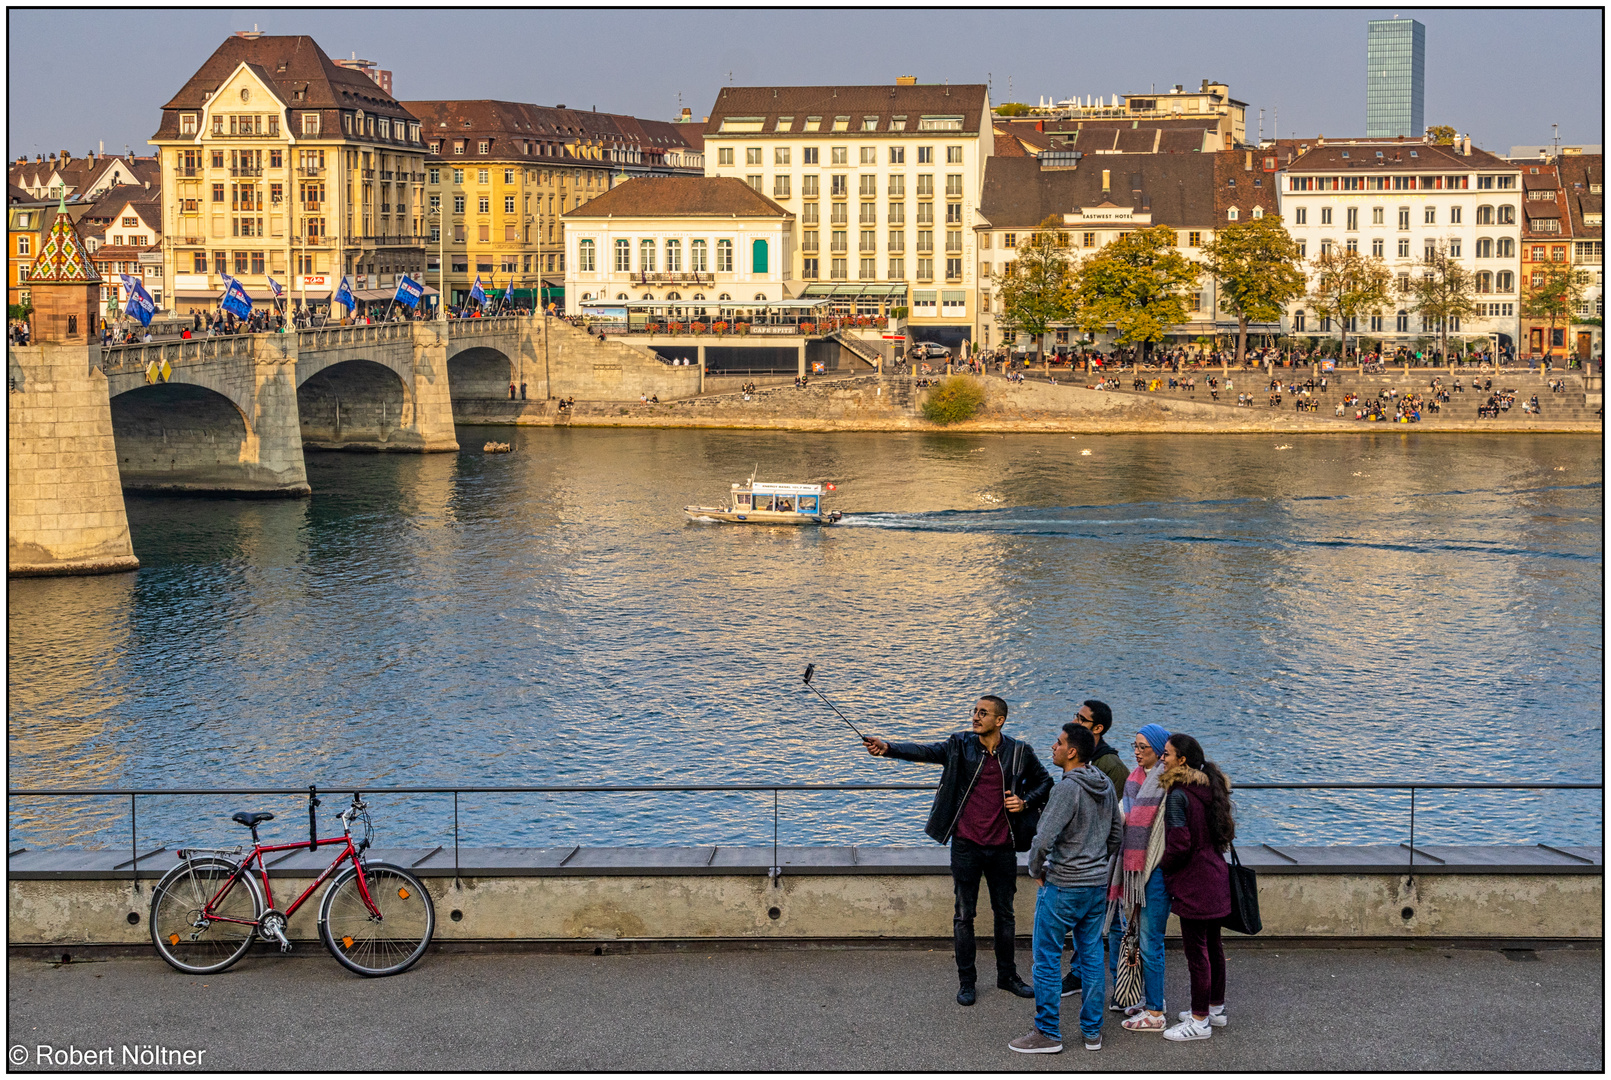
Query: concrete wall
{"type": "Point", "coordinates": [588, 369]}
{"type": "Point", "coordinates": [64, 504]}
{"type": "Point", "coordinates": [802, 905]}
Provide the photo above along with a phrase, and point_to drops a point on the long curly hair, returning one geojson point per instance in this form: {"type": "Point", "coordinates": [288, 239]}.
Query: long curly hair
{"type": "Point", "coordinates": [1221, 818]}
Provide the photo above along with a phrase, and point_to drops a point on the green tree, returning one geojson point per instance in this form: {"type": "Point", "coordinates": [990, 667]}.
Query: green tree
{"type": "Point", "coordinates": [1012, 108]}
{"type": "Point", "coordinates": [1137, 285]}
{"type": "Point", "coordinates": [1259, 272]}
{"type": "Point", "coordinates": [1441, 134]}
{"type": "Point", "coordinates": [1036, 289]}
{"type": "Point", "coordinates": [1555, 298]}
{"type": "Point", "coordinates": [19, 311]}
{"type": "Point", "coordinates": [1345, 285]}
{"type": "Point", "coordinates": [1442, 290]}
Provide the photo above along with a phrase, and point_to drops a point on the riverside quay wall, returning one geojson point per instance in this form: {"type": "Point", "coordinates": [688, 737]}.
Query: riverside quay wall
{"type": "Point", "coordinates": [837, 895]}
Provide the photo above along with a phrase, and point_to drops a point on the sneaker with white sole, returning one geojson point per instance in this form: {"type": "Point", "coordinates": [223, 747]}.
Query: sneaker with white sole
{"type": "Point", "coordinates": [1093, 1043]}
{"type": "Point", "coordinates": [1071, 984]}
{"type": "Point", "coordinates": [1145, 1021]}
{"type": "Point", "coordinates": [1215, 1019]}
{"type": "Point", "coordinates": [1036, 1043]}
{"type": "Point", "coordinates": [1189, 1030]}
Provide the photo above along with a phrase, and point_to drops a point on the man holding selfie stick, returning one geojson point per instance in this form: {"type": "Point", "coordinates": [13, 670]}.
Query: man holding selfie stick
{"type": "Point", "coordinates": [987, 807]}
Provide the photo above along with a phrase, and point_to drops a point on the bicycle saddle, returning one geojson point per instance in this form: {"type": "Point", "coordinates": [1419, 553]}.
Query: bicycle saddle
{"type": "Point", "coordinates": [252, 821]}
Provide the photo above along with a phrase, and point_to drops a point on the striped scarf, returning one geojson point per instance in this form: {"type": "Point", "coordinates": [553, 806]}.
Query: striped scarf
{"type": "Point", "coordinates": [1143, 838]}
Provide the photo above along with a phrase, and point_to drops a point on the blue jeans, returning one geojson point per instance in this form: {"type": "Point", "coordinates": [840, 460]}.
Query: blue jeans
{"type": "Point", "coordinates": [1057, 911]}
{"type": "Point", "coordinates": [1154, 917]}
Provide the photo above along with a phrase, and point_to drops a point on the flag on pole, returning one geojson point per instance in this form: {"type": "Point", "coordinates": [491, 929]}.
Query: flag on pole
{"type": "Point", "coordinates": [509, 291]}
{"type": "Point", "coordinates": [477, 293]}
{"type": "Point", "coordinates": [141, 306]}
{"type": "Point", "coordinates": [274, 287]}
{"type": "Point", "coordinates": [409, 291]}
{"type": "Point", "coordinates": [235, 299]}
{"type": "Point", "coordinates": [344, 295]}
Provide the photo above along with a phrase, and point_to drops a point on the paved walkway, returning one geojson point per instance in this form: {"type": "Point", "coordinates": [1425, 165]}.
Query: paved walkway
{"type": "Point", "coordinates": [856, 1009]}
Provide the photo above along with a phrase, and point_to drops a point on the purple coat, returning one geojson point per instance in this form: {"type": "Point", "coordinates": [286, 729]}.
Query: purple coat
{"type": "Point", "coordinates": [1194, 873]}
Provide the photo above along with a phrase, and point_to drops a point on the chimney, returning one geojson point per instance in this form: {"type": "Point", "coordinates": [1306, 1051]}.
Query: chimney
{"type": "Point", "coordinates": [906, 80]}
{"type": "Point", "coordinates": [1040, 125]}
{"type": "Point", "coordinates": [1106, 181]}
{"type": "Point", "coordinates": [250, 35]}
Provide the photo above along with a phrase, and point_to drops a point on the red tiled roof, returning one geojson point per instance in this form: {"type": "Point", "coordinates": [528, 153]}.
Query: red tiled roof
{"type": "Point", "coordinates": [680, 196]}
{"type": "Point", "coordinates": [855, 103]}
{"type": "Point", "coordinates": [508, 126]}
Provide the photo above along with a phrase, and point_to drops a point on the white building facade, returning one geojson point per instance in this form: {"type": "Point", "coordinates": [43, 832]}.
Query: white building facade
{"type": "Point", "coordinates": [1395, 200]}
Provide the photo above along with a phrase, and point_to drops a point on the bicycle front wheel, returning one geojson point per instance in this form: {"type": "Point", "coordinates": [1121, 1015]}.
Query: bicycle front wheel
{"type": "Point", "coordinates": [389, 944]}
{"type": "Point", "coordinates": [199, 941]}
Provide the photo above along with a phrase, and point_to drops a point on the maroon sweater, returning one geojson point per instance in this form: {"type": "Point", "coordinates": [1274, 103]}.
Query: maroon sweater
{"type": "Point", "coordinates": [984, 815]}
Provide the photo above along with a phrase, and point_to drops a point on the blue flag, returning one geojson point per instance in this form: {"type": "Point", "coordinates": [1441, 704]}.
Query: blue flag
{"type": "Point", "coordinates": [141, 306]}
{"type": "Point", "coordinates": [344, 295]}
{"type": "Point", "coordinates": [509, 291]}
{"type": "Point", "coordinates": [235, 299]}
{"type": "Point", "coordinates": [409, 291]}
{"type": "Point", "coordinates": [274, 287]}
{"type": "Point", "coordinates": [477, 293]}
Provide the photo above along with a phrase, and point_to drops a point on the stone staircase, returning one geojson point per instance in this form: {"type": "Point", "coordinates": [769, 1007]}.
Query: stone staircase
{"type": "Point", "coordinates": [860, 351]}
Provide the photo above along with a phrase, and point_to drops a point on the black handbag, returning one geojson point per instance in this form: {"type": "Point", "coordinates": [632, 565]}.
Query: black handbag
{"type": "Point", "coordinates": [1244, 916]}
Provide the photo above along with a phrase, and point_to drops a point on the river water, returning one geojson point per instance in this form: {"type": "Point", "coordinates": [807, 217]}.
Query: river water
{"type": "Point", "coordinates": [1382, 606]}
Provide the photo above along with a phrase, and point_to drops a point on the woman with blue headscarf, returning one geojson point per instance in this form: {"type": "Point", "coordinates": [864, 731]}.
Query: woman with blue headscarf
{"type": "Point", "coordinates": [1136, 888]}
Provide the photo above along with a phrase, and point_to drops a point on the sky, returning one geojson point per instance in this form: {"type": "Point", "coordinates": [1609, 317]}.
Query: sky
{"type": "Point", "coordinates": [1503, 76]}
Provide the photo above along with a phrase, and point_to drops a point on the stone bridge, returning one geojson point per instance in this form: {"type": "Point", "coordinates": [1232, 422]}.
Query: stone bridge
{"type": "Point", "coordinates": [234, 413]}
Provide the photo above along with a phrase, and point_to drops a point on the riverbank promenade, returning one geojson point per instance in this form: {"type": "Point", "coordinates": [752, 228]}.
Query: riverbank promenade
{"type": "Point", "coordinates": [859, 1009]}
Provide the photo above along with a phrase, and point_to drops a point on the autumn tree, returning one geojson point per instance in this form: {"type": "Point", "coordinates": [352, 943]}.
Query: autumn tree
{"type": "Point", "coordinates": [1137, 284]}
{"type": "Point", "coordinates": [1346, 284]}
{"type": "Point", "coordinates": [1441, 291]}
{"type": "Point", "coordinates": [1036, 289]}
{"type": "Point", "coordinates": [1555, 298]}
{"type": "Point", "coordinates": [1259, 271]}
{"type": "Point", "coordinates": [1441, 135]}
{"type": "Point", "coordinates": [1012, 108]}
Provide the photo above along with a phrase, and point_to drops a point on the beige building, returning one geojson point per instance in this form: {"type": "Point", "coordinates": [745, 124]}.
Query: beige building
{"type": "Point", "coordinates": [278, 162]}
{"type": "Point", "coordinates": [883, 182]}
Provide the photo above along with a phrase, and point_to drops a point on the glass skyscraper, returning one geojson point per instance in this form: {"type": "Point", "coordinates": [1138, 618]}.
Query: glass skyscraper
{"type": "Point", "coordinates": [1395, 84]}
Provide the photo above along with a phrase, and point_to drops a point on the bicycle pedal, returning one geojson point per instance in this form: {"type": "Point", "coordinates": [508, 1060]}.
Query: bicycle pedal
{"type": "Point", "coordinates": [285, 946]}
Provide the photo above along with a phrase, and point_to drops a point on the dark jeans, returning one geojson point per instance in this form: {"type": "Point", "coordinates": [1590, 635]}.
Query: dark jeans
{"type": "Point", "coordinates": [999, 868]}
{"type": "Point", "coordinates": [1205, 959]}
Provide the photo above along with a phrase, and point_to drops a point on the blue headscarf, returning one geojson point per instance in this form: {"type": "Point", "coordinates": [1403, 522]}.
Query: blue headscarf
{"type": "Point", "coordinates": [1156, 736]}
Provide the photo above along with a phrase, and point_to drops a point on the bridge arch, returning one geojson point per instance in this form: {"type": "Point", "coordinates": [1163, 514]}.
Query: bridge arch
{"type": "Point", "coordinates": [181, 436]}
{"type": "Point", "coordinates": [480, 371]}
{"type": "Point", "coordinates": [356, 404]}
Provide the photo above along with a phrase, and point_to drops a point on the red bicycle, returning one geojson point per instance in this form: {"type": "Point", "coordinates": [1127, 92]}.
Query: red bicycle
{"type": "Point", "coordinates": [375, 918]}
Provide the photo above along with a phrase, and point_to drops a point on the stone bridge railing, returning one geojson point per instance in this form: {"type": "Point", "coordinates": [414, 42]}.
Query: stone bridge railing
{"type": "Point", "coordinates": [137, 357]}
{"type": "Point", "coordinates": [330, 337]}
{"type": "Point", "coordinates": [499, 325]}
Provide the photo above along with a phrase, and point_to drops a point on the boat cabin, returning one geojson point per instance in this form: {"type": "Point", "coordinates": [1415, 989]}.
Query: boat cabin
{"type": "Point", "coordinates": [777, 498]}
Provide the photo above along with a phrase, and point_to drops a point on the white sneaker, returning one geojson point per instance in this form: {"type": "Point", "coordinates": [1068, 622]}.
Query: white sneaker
{"type": "Point", "coordinates": [1215, 1019]}
{"type": "Point", "coordinates": [1187, 1031]}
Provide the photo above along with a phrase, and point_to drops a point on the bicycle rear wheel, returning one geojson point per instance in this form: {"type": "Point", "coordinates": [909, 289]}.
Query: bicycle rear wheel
{"type": "Point", "coordinates": [390, 944]}
{"type": "Point", "coordinates": [191, 941]}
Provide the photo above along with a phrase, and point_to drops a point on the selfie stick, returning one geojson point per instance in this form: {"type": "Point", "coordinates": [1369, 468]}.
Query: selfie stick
{"type": "Point", "coordinates": [811, 670]}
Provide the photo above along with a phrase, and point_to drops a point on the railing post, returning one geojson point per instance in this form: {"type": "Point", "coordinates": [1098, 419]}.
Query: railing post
{"type": "Point", "coordinates": [456, 883]}
{"type": "Point", "coordinates": [776, 870]}
{"type": "Point", "coordinates": [134, 844]}
{"type": "Point", "coordinates": [1412, 835]}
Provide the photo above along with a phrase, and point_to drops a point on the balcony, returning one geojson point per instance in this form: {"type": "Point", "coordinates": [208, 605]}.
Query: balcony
{"type": "Point", "coordinates": [187, 171]}
{"type": "Point", "coordinates": [310, 170]}
{"type": "Point", "coordinates": [368, 174]}
{"type": "Point", "coordinates": [245, 170]}
{"type": "Point", "coordinates": [385, 174]}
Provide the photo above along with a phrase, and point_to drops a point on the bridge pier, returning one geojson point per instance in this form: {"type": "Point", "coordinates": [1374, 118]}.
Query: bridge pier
{"type": "Point", "coordinates": [376, 388]}
{"type": "Point", "coordinates": [64, 508]}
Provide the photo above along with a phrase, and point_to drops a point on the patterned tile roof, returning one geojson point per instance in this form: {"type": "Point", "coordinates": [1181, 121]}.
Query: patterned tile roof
{"type": "Point", "coordinates": [62, 258]}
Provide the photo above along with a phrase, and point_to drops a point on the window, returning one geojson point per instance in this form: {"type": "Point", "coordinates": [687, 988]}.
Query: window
{"type": "Point", "coordinates": [869, 155]}
{"type": "Point", "coordinates": [646, 256]}
{"type": "Point", "coordinates": [1507, 215]}
{"type": "Point", "coordinates": [953, 240]}
{"type": "Point", "coordinates": [754, 180]}
{"type": "Point", "coordinates": [780, 156]}
{"type": "Point", "coordinates": [1325, 215]}
{"type": "Point", "coordinates": [481, 176]}
{"type": "Point", "coordinates": [837, 269]}
{"type": "Point", "coordinates": [752, 155]}
{"type": "Point", "coordinates": [24, 245]}
{"type": "Point", "coordinates": [1454, 215]}
{"type": "Point", "coordinates": [869, 213]}
{"type": "Point", "coordinates": [1403, 249]}
{"type": "Point", "coordinates": [838, 214]}
{"type": "Point", "coordinates": [508, 204]}
{"type": "Point", "coordinates": [1233, 214]}
{"type": "Point", "coordinates": [1430, 216]}
{"type": "Point", "coordinates": [953, 269]}
{"type": "Point", "coordinates": [1557, 253]}
{"type": "Point", "coordinates": [1429, 251]}
{"type": "Point", "coordinates": [1353, 218]}
{"type": "Point", "coordinates": [1376, 248]}
{"type": "Point", "coordinates": [1194, 239]}
{"type": "Point", "coordinates": [1403, 218]}
{"type": "Point", "coordinates": [187, 123]}
{"type": "Point", "coordinates": [869, 269]}
{"type": "Point", "coordinates": [897, 240]}
{"type": "Point", "coordinates": [809, 241]}
{"type": "Point", "coordinates": [481, 147]}
{"type": "Point", "coordinates": [839, 155]}
{"type": "Point", "coordinates": [623, 256]}
{"type": "Point", "coordinates": [458, 204]}
{"type": "Point", "coordinates": [1504, 282]}
{"type": "Point", "coordinates": [1485, 215]}
{"type": "Point", "coordinates": [838, 240]}
{"type": "Point", "coordinates": [698, 262]}
{"type": "Point", "coordinates": [1505, 248]}
{"type": "Point", "coordinates": [218, 193]}
{"type": "Point", "coordinates": [673, 256]}
{"type": "Point", "coordinates": [897, 213]}
{"type": "Point", "coordinates": [724, 256]}
{"type": "Point", "coordinates": [809, 155]}
{"type": "Point", "coordinates": [1300, 216]}
{"type": "Point", "coordinates": [483, 204]}
{"type": "Point", "coordinates": [925, 186]}
{"type": "Point", "coordinates": [953, 213]}
{"type": "Point", "coordinates": [897, 187]}
{"type": "Point", "coordinates": [897, 155]}
{"type": "Point", "coordinates": [1353, 246]}
{"type": "Point", "coordinates": [1485, 281]}
{"type": "Point", "coordinates": [953, 185]}
{"type": "Point", "coordinates": [808, 187]}
{"type": "Point", "coordinates": [808, 269]}
{"type": "Point", "coordinates": [869, 186]}
{"type": "Point", "coordinates": [1298, 322]}
{"type": "Point", "coordinates": [1325, 247]}
{"type": "Point", "coordinates": [780, 187]}
{"type": "Point", "coordinates": [1454, 249]}
{"type": "Point", "coordinates": [897, 269]}
{"type": "Point", "coordinates": [925, 156]}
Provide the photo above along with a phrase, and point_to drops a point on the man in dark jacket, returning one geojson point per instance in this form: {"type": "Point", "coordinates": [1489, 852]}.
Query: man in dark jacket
{"type": "Point", "coordinates": [987, 807]}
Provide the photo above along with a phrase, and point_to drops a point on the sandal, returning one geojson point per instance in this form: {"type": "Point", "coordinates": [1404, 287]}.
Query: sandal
{"type": "Point", "coordinates": [1145, 1021]}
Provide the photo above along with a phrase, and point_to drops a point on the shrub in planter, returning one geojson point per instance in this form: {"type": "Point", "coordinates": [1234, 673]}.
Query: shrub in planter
{"type": "Point", "coordinates": [954, 400]}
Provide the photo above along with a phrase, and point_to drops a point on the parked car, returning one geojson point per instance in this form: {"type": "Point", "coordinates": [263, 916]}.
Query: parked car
{"type": "Point", "coordinates": [926, 350]}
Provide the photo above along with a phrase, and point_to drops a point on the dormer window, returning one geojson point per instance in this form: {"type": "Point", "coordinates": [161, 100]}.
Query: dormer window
{"type": "Point", "coordinates": [1381, 155]}
{"type": "Point", "coordinates": [1233, 214]}
{"type": "Point", "coordinates": [481, 147]}
{"type": "Point", "coordinates": [1345, 153]}
{"type": "Point", "coordinates": [187, 123]}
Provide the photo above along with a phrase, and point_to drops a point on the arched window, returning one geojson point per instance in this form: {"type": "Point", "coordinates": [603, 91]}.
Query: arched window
{"type": "Point", "coordinates": [1507, 215]}
{"type": "Point", "coordinates": [1299, 321]}
{"type": "Point", "coordinates": [1506, 248]}
{"type": "Point", "coordinates": [646, 256]}
{"type": "Point", "coordinates": [585, 256]}
{"type": "Point", "coordinates": [1504, 282]}
{"type": "Point", "coordinates": [586, 297]}
{"type": "Point", "coordinates": [1485, 248]}
{"type": "Point", "coordinates": [758, 257]}
{"type": "Point", "coordinates": [647, 296]}
{"type": "Point", "coordinates": [1485, 215]}
{"type": "Point", "coordinates": [724, 296]}
{"type": "Point", "coordinates": [761, 296]}
{"type": "Point", "coordinates": [699, 296]}
{"type": "Point", "coordinates": [622, 296]}
{"type": "Point", "coordinates": [1485, 281]}
{"type": "Point", "coordinates": [673, 296]}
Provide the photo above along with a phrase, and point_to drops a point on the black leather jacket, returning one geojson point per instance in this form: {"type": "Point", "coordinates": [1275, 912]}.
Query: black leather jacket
{"type": "Point", "coordinates": [963, 757]}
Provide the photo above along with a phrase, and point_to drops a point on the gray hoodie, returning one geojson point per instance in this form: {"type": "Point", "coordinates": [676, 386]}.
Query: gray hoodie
{"type": "Point", "coordinates": [1080, 829]}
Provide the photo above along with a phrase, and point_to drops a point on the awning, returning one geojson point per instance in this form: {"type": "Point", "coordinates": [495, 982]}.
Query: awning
{"type": "Point", "coordinates": [855, 292]}
{"type": "Point", "coordinates": [776, 305]}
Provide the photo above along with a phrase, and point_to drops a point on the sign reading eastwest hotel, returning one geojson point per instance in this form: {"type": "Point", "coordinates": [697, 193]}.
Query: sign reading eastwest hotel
{"type": "Point", "coordinates": [1092, 215]}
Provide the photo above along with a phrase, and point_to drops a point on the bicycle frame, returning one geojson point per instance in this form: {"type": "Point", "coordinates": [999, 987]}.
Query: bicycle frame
{"type": "Point", "coordinates": [349, 851]}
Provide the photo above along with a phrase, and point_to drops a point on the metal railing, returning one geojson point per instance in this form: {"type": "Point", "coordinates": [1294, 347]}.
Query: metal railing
{"type": "Point", "coordinates": [774, 789]}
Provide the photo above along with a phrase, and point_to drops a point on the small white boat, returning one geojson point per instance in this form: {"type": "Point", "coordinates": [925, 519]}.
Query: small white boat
{"type": "Point", "coordinates": [751, 503]}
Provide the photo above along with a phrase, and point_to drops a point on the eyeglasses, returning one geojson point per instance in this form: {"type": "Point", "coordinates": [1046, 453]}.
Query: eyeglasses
{"type": "Point", "coordinates": [984, 712]}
